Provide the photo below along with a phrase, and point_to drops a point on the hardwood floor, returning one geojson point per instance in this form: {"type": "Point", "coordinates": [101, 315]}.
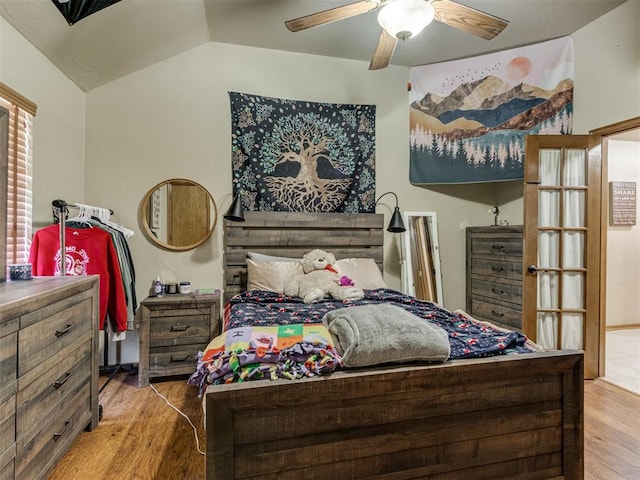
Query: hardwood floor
{"type": "Point", "coordinates": [612, 432]}
{"type": "Point", "coordinates": [141, 437]}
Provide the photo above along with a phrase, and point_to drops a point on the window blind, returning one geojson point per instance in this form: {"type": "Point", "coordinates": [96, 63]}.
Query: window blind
{"type": "Point", "coordinates": [19, 175]}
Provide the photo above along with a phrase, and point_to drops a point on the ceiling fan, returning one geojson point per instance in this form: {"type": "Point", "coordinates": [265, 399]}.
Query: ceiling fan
{"type": "Point", "coordinates": [403, 19]}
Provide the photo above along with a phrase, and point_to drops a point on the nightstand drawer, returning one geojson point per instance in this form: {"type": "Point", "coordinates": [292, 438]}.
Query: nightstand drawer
{"type": "Point", "coordinates": [177, 360]}
{"type": "Point", "coordinates": [178, 327]}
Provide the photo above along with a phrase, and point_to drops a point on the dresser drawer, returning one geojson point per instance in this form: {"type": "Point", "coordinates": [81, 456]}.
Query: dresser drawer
{"type": "Point", "coordinates": [505, 292]}
{"type": "Point", "coordinates": [177, 360]}
{"type": "Point", "coordinates": [7, 467]}
{"type": "Point", "coordinates": [39, 342]}
{"type": "Point", "coordinates": [40, 392]}
{"type": "Point", "coordinates": [481, 245]}
{"type": "Point", "coordinates": [39, 448]}
{"type": "Point", "coordinates": [8, 359]}
{"type": "Point", "coordinates": [179, 329]}
{"type": "Point", "coordinates": [7, 431]}
{"type": "Point", "coordinates": [499, 314]}
{"type": "Point", "coordinates": [496, 267]}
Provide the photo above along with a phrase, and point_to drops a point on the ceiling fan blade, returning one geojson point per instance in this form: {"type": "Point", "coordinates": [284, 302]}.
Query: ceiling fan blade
{"type": "Point", "coordinates": [468, 19]}
{"type": "Point", "coordinates": [331, 15]}
{"type": "Point", "coordinates": [384, 51]}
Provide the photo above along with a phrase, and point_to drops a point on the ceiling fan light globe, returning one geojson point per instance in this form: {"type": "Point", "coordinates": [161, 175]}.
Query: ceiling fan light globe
{"type": "Point", "coordinates": [405, 19]}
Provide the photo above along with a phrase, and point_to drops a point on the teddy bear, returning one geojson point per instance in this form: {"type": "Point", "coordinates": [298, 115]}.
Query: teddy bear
{"type": "Point", "coordinates": [320, 279]}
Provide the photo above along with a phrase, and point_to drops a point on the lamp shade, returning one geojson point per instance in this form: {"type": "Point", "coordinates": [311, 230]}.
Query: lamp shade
{"type": "Point", "coordinates": [396, 225]}
{"type": "Point", "coordinates": [404, 19]}
{"type": "Point", "coordinates": [235, 212]}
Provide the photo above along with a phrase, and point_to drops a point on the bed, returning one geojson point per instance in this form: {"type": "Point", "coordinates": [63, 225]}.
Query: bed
{"type": "Point", "coordinates": [514, 416]}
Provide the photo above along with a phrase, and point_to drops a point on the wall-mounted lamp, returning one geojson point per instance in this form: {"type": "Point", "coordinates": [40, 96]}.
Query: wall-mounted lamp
{"type": "Point", "coordinates": [235, 212]}
{"type": "Point", "coordinates": [396, 225]}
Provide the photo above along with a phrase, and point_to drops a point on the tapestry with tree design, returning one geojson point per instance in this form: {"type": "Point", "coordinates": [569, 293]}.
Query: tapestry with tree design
{"type": "Point", "coordinates": [302, 156]}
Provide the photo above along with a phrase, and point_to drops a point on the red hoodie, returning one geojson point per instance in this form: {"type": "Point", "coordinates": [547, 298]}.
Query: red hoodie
{"type": "Point", "coordinates": [89, 251]}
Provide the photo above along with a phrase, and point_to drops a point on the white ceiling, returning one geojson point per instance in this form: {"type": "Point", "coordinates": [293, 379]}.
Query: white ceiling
{"type": "Point", "coordinates": [133, 34]}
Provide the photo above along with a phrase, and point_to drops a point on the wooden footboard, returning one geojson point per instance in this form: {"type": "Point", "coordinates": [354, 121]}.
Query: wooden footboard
{"type": "Point", "coordinates": [509, 417]}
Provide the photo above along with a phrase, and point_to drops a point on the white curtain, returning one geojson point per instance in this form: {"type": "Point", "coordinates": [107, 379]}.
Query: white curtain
{"type": "Point", "coordinates": [554, 211]}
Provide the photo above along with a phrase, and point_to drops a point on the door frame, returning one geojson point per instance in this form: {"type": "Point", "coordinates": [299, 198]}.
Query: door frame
{"type": "Point", "coordinates": [604, 133]}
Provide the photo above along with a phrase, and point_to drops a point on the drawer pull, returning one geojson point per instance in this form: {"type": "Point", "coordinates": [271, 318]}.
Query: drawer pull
{"type": "Point", "coordinates": [498, 247]}
{"type": "Point", "coordinates": [58, 383]}
{"type": "Point", "coordinates": [180, 358]}
{"type": "Point", "coordinates": [57, 435]}
{"type": "Point", "coordinates": [497, 314]}
{"type": "Point", "coordinates": [497, 292]}
{"type": "Point", "coordinates": [59, 333]}
{"type": "Point", "coordinates": [179, 328]}
{"type": "Point", "coordinates": [497, 269]}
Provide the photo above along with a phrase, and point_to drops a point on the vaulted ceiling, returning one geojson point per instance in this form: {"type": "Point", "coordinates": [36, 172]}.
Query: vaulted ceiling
{"type": "Point", "coordinates": [133, 34]}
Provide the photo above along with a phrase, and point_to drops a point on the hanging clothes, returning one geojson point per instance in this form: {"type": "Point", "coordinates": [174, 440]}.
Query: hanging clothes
{"type": "Point", "coordinates": [125, 260]}
{"type": "Point", "coordinates": [88, 251]}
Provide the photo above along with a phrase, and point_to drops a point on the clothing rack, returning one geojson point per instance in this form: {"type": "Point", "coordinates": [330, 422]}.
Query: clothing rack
{"type": "Point", "coordinates": [60, 207]}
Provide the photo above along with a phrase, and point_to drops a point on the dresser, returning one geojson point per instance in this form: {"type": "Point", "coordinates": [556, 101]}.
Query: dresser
{"type": "Point", "coordinates": [48, 371]}
{"type": "Point", "coordinates": [172, 330]}
{"type": "Point", "coordinates": [494, 274]}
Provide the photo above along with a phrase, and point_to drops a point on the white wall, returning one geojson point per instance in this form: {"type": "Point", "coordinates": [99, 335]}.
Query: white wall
{"type": "Point", "coordinates": [59, 125]}
{"type": "Point", "coordinates": [607, 69]}
{"type": "Point", "coordinates": [623, 242]}
{"type": "Point", "coordinates": [173, 120]}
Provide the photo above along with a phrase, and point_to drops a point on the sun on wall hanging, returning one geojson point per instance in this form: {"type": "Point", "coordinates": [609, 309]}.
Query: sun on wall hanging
{"type": "Point", "coordinates": [469, 118]}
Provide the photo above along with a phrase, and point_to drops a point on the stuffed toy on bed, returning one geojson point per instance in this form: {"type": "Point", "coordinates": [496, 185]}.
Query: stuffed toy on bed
{"type": "Point", "coordinates": [320, 280]}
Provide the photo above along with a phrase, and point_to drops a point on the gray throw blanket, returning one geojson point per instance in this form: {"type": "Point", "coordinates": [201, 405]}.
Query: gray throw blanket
{"type": "Point", "coordinates": [374, 334]}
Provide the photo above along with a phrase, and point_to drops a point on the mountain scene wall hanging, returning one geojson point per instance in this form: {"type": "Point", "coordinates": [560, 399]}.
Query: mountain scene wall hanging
{"type": "Point", "coordinates": [299, 156]}
{"type": "Point", "coordinates": [469, 118]}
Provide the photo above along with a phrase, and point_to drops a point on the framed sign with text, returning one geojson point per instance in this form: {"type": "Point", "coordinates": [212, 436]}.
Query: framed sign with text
{"type": "Point", "coordinates": [622, 203]}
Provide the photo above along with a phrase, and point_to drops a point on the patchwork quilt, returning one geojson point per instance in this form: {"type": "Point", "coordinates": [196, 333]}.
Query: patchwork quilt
{"type": "Point", "coordinates": [257, 352]}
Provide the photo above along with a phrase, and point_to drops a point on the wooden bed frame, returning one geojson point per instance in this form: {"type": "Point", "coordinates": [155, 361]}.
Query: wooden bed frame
{"type": "Point", "coordinates": [508, 417]}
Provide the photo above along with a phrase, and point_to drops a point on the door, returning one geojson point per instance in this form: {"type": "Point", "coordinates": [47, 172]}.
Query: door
{"type": "Point", "coordinates": [561, 279]}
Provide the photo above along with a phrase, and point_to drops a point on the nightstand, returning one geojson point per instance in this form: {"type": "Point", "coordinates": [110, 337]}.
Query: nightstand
{"type": "Point", "coordinates": [172, 330]}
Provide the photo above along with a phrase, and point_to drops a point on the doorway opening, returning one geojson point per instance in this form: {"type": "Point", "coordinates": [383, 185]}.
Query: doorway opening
{"type": "Point", "coordinates": [621, 340]}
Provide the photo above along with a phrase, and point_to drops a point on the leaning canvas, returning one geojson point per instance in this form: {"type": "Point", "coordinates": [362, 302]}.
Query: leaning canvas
{"type": "Point", "coordinates": [469, 118]}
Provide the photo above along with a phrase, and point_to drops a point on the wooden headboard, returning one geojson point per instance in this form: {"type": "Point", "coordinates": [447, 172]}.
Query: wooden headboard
{"type": "Point", "coordinates": [291, 234]}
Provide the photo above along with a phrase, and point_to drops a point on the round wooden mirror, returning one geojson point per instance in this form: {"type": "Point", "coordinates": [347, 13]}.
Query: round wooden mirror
{"type": "Point", "coordinates": [178, 214]}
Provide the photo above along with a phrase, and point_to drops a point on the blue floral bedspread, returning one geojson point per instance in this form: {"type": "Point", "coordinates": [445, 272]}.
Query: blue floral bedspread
{"type": "Point", "coordinates": [468, 338]}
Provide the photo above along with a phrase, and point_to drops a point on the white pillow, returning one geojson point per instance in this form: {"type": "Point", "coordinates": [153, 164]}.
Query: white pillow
{"type": "Point", "coordinates": [271, 276]}
{"type": "Point", "coordinates": [364, 272]}
{"type": "Point", "coordinates": [263, 257]}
